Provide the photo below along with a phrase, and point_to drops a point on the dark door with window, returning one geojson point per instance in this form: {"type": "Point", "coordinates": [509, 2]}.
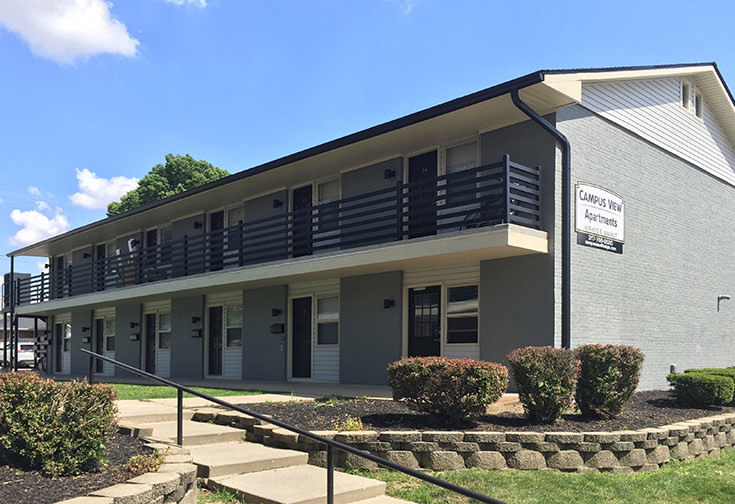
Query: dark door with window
{"type": "Point", "coordinates": [58, 342]}
{"type": "Point", "coordinates": [422, 195]}
{"type": "Point", "coordinates": [301, 347]}
{"type": "Point", "coordinates": [150, 343]}
{"type": "Point", "coordinates": [99, 338]}
{"type": "Point", "coordinates": [301, 232]}
{"type": "Point", "coordinates": [424, 321]}
{"type": "Point", "coordinates": [216, 239]}
{"type": "Point", "coordinates": [215, 341]}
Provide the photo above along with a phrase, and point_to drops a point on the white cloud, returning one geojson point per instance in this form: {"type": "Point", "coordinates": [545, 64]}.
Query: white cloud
{"type": "Point", "coordinates": [37, 224]}
{"type": "Point", "coordinates": [195, 3]}
{"type": "Point", "coordinates": [66, 30]}
{"type": "Point", "coordinates": [406, 5]}
{"type": "Point", "coordinates": [34, 190]}
{"type": "Point", "coordinates": [97, 192]}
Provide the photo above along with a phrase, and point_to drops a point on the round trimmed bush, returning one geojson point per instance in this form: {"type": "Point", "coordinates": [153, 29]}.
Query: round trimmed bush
{"type": "Point", "coordinates": [454, 390]}
{"type": "Point", "coordinates": [545, 377]}
{"type": "Point", "coordinates": [608, 377]}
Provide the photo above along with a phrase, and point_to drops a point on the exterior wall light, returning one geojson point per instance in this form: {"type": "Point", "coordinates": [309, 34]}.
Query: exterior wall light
{"type": "Point", "coordinates": [277, 203]}
{"type": "Point", "coordinates": [133, 325]}
{"type": "Point", "coordinates": [389, 174]}
{"type": "Point", "coordinates": [275, 312]}
{"type": "Point", "coordinates": [197, 225]}
{"type": "Point", "coordinates": [194, 320]}
{"type": "Point", "coordinates": [388, 303]}
{"type": "Point", "coordinates": [720, 298]}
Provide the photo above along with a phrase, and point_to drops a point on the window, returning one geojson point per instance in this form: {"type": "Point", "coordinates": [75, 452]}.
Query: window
{"type": "Point", "coordinates": [698, 104]}
{"type": "Point", "coordinates": [233, 326]}
{"type": "Point", "coordinates": [327, 320]}
{"type": "Point", "coordinates": [328, 191]}
{"type": "Point", "coordinates": [110, 334]}
{"type": "Point", "coordinates": [460, 159]}
{"type": "Point", "coordinates": [164, 331]}
{"type": "Point", "coordinates": [686, 92]}
{"type": "Point", "coordinates": [462, 314]}
{"type": "Point", "coordinates": [67, 337]}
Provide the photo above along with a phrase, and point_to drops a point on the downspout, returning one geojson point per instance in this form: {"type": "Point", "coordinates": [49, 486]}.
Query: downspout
{"type": "Point", "coordinates": [566, 213]}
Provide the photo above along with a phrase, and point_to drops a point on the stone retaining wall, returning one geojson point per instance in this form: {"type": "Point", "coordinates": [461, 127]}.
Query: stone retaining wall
{"type": "Point", "coordinates": [175, 482]}
{"type": "Point", "coordinates": [619, 452]}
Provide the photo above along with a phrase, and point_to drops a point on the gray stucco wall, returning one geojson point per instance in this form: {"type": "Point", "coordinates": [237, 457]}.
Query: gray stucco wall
{"type": "Point", "coordinates": [79, 361]}
{"type": "Point", "coordinates": [127, 351]}
{"type": "Point", "coordinates": [661, 294]}
{"type": "Point", "coordinates": [370, 335]}
{"type": "Point", "coordinates": [187, 353]}
{"type": "Point", "coordinates": [264, 353]}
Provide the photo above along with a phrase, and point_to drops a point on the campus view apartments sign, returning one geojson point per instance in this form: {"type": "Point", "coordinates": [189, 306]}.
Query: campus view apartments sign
{"type": "Point", "coordinates": [599, 218]}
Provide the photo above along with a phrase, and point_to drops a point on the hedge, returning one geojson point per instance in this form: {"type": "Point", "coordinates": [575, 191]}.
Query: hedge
{"type": "Point", "coordinates": [702, 390]}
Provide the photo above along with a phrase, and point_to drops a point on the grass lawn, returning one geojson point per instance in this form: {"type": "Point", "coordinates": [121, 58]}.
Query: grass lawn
{"type": "Point", "coordinates": [143, 392]}
{"type": "Point", "coordinates": [710, 481]}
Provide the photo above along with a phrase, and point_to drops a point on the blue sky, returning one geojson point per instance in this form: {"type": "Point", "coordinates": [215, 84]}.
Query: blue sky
{"type": "Point", "coordinates": [94, 94]}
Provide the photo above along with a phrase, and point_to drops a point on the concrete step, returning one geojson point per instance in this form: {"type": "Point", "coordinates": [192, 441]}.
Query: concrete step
{"type": "Point", "coordinates": [195, 433]}
{"type": "Point", "coordinates": [141, 412]}
{"type": "Point", "coordinates": [299, 485]}
{"type": "Point", "coordinates": [226, 459]}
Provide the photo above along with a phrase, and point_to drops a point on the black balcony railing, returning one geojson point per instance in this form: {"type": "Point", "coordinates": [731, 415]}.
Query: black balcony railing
{"type": "Point", "coordinates": [503, 192]}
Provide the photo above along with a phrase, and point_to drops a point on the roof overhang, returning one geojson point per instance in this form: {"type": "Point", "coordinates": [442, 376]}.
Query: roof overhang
{"type": "Point", "coordinates": [544, 91]}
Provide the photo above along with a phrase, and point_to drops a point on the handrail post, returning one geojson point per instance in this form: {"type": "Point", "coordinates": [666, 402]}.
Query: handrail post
{"type": "Point", "coordinates": [399, 210]}
{"type": "Point", "coordinates": [506, 168]}
{"type": "Point", "coordinates": [91, 370]}
{"type": "Point", "coordinates": [330, 474]}
{"type": "Point", "coordinates": [180, 417]}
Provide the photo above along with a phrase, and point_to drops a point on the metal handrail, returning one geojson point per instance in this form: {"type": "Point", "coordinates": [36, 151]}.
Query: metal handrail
{"type": "Point", "coordinates": [331, 444]}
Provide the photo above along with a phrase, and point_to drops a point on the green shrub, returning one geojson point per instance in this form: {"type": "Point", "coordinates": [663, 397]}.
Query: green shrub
{"type": "Point", "coordinates": [701, 389]}
{"type": "Point", "coordinates": [608, 377]}
{"type": "Point", "coordinates": [455, 390]}
{"type": "Point", "coordinates": [715, 371]}
{"type": "Point", "coordinates": [545, 377]}
{"type": "Point", "coordinates": [58, 428]}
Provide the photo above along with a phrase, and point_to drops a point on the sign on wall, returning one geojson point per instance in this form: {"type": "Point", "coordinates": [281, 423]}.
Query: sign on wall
{"type": "Point", "coordinates": [599, 218]}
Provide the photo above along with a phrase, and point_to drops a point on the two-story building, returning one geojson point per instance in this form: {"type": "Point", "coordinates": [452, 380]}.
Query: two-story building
{"type": "Point", "coordinates": [560, 208]}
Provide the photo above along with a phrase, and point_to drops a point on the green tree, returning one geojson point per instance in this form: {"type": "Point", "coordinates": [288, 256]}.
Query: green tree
{"type": "Point", "coordinates": [179, 174]}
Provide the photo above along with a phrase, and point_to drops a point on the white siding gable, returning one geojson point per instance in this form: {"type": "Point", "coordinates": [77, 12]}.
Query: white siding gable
{"type": "Point", "coordinates": [652, 109]}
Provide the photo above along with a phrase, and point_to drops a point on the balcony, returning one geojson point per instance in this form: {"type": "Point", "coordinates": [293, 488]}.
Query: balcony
{"type": "Point", "coordinates": [498, 193]}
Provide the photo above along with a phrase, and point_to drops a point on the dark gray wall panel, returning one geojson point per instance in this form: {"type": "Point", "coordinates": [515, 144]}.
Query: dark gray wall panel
{"type": "Point", "coordinates": [370, 335]}
{"type": "Point", "coordinates": [264, 353]}
{"type": "Point", "coordinates": [127, 351]}
{"type": "Point", "coordinates": [79, 361]}
{"type": "Point", "coordinates": [187, 352]}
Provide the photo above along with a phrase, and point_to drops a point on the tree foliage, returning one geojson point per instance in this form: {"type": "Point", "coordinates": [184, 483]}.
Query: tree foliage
{"type": "Point", "coordinates": [179, 174]}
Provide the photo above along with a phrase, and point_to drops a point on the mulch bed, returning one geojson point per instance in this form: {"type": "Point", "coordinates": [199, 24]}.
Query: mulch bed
{"type": "Point", "coordinates": [22, 486]}
{"type": "Point", "coordinates": [646, 409]}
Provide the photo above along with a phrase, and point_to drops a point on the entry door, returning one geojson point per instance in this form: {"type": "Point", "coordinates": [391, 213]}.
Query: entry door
{"type": "Point", "coordinates": [150, 342]}
{"type": "Point", "coordinates": [215, 341]}
{"type": "Point", "coordinates": [424, 321]}
{"type": "Point", "coordinates": [99, 348]}
{"type": "Point", "coordinates": [216, 226]}
{"type": "Point", "coordinates": [301, 336]}
{"type": "Point", "coordinates": [301, 231]}
{"type": "Point", "coordinates": [422, 195]}
{"type": "Point", "coordinates": [58, 342]}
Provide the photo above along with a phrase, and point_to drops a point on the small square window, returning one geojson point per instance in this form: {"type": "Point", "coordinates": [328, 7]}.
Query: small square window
{"type": "Point", "coordinates": [164, 340]}
{"type": "Point", "coordinates": [328, 334]}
